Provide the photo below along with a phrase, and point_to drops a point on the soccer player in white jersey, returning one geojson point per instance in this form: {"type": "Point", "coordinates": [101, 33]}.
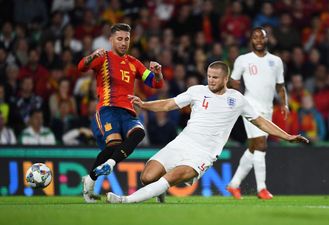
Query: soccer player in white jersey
{"type": "Point", "coordinates": [262, 74]}
{"type": "Point", "coordinates": [215, 108]}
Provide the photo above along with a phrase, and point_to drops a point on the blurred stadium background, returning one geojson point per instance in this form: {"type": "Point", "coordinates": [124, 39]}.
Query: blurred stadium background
{"type": "Point", "coordinates": [41, 89]}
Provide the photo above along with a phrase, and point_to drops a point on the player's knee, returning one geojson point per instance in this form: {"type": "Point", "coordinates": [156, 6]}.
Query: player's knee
{"type": "Point", "coordinates": [137, 133]}
{"type": "Point", "coordinates": [113, 143]}
{"type": "Point", "coordinates": [261, 147]}
{"type": "Point", "coordinates": [147, 178]}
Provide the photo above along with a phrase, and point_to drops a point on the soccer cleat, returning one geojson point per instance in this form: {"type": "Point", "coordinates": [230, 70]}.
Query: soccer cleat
{"type": "Point", "coordinates": [235, 192]}
{"type": "Point", "coordinates": [113, 198]}
{"type": "Point", "coordinates": [104, 169]}
{"type": "Point", "coordinates": [161, 198]}
{"type": "Point", "coordinates": [264, 194]}
{"type": "Point", "coordinates": [88, 190]}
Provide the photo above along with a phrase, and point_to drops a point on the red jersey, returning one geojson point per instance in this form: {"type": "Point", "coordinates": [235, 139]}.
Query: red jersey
{"type": "Point", "coordinates": [116, 76]}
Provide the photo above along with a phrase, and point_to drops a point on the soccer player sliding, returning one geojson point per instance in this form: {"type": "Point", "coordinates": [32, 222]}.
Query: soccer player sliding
{"type": "Point", "coordinates": [215, 109]}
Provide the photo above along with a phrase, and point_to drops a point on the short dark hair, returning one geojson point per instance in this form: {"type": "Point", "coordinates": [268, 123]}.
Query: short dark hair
{"type": "Point", "coordinates": [262, 29]}
{"type": "Point", "coordinates": [120, 27]}
{"type": "Point", "coordinates": [220, 65]}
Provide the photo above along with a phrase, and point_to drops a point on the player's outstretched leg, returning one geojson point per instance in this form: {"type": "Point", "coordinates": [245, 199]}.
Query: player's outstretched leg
{"type": "Point", "coordinates": [143, 194]}
{"type": "Point", "coordinates": [113, 198]}
{"type": "Point", "coordinates": [88, 190]}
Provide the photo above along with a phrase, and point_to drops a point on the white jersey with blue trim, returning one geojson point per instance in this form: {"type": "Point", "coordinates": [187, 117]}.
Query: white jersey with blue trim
{"type": "Point", "coordinates": [213, 116]}
{"type": "Point", "coordinates": [260, 76]}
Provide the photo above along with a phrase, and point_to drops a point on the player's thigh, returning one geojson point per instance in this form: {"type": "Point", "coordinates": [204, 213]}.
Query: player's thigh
{"type": "Point", "coordinates": [253, 131]}
{"type": "Point", "coordinates": [152, 172]}
{"type": "Point", "coordinates": [257, 139]}
{"type": "Point", "coordinates": [129, 123]}
{"type": "Point", "coordinates": [98, 133]}
{"type": "Point", "coordinates": [108, 122]}
{"type": "Point", "coordinates": [180, 174]}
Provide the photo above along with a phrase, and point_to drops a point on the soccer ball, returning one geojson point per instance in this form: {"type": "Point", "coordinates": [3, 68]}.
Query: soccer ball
{"type": "Point", "coordinates": [38, 176]}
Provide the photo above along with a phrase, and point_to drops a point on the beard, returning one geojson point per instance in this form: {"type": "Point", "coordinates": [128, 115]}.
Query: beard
{"type": "Point", "coordinates": [216, 89]}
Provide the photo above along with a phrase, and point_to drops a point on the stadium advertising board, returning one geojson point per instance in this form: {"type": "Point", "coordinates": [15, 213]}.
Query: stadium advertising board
{"type": "Point", "coordinates": [290, 171]}
{"type": "Point", "coordinates": [69, 165]}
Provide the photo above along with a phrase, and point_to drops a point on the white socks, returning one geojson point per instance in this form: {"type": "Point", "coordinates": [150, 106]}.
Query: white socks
{"type": "Point", "coordinates": [247, 161]}
{"type": "Point", "coordinates": [111, 162]}
{"type": "Point", "coordinates": [245, 165]}
{"type": "Point", "coordinates": [260, 169]}
{"type": "Point", "coordinates": [149, 191]}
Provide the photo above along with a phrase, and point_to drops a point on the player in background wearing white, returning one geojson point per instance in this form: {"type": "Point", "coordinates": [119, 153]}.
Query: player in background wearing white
{"type": "Point", "coordinates": [262, 73]}
{"type": "Point", "coordinates": [215, 109]}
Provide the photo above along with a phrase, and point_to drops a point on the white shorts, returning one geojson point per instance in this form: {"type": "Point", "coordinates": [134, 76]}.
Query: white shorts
{"type": "Point", "coordinates": [253, 131]}
{"type": "Point", "coordinates": [182, 152]}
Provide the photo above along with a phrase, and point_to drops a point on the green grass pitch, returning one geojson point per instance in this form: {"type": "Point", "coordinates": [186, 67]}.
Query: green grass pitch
{"type": "Point", "coordinates": [282, 210]}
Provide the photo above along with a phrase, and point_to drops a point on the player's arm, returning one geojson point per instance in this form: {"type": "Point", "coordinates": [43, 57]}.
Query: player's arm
{"type": "Point", "coordinates": [235, 84]}
{"type": "Point", "coordinates": [90, 61]}
{"type": "Point", "coordinates": [274, 130]}
{"type": "Point", "coordinates": [281, 90]}
{"type": "Point", "coordinates": [155, 106]}
{"type": "Point", "coordinates": [151, 77]}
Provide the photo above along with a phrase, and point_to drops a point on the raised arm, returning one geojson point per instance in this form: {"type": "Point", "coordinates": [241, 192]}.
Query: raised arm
{"type": "Point", "coordinates": [274, 130]}
{"type": "Point", "coordinates": [155, 106]}
{"type": "Point", "coordinates": [86, 62]}
{"type": "Point", "coordinates": [281, 90]}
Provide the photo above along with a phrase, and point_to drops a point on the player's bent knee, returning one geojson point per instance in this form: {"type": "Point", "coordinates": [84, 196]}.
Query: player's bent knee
{"type": "Point", "coordinates": [137, 132]}
{"type": "Point", "coordinates": [147, 178]}
{"type": "Point", "coordinates": [113, 143]}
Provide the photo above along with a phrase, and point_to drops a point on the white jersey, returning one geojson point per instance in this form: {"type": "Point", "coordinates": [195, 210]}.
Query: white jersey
{"type": "Point", "coordinates": [213, 116]}
{"type": "Point", "coordinates": [260, 75]}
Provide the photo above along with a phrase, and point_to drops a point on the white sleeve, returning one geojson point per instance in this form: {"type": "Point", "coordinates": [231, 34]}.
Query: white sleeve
{"type": "Point", "coordinates": [237, 69]}
{"type": "Point", "coordinates": [183, 99]}
{"type": "Point", "coordinates": [280, 73]}
{"type": "Point", "coordinates": [69, 138]}
{"type": "Point", "coordinates": [248, 111]}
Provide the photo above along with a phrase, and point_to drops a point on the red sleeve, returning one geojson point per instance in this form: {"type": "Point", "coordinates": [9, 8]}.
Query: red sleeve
{"type": "Point", "coordinates": [141, 69]}
{"type": "Point", "coordinates": [95, 64]}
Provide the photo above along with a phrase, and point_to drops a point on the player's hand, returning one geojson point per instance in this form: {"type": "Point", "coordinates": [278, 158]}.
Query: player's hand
{"type": "Point", "coordinates": [98, 53]}
{"type": "Point", "coordinates": [285, 111]}
{"type": "Point", "coordinates": [155, 68]}
{"type": "Point", "coordinates": [136, 100]}
{"type": "Point", "coordinates": [298, 139]}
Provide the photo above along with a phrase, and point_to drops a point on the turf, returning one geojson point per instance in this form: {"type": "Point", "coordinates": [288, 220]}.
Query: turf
{"type": "Point", "coordinates": [310, 210]}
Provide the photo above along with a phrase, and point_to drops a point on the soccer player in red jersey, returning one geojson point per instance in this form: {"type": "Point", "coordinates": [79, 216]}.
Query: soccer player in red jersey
{"type": "Point", "coordinates": [115, 126]}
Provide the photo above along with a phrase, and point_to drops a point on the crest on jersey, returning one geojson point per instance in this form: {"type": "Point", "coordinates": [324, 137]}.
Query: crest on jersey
{"type": "Point", "coordinates": [271, 63]}
{"type": "Point", "coordinates": [231, 102]}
